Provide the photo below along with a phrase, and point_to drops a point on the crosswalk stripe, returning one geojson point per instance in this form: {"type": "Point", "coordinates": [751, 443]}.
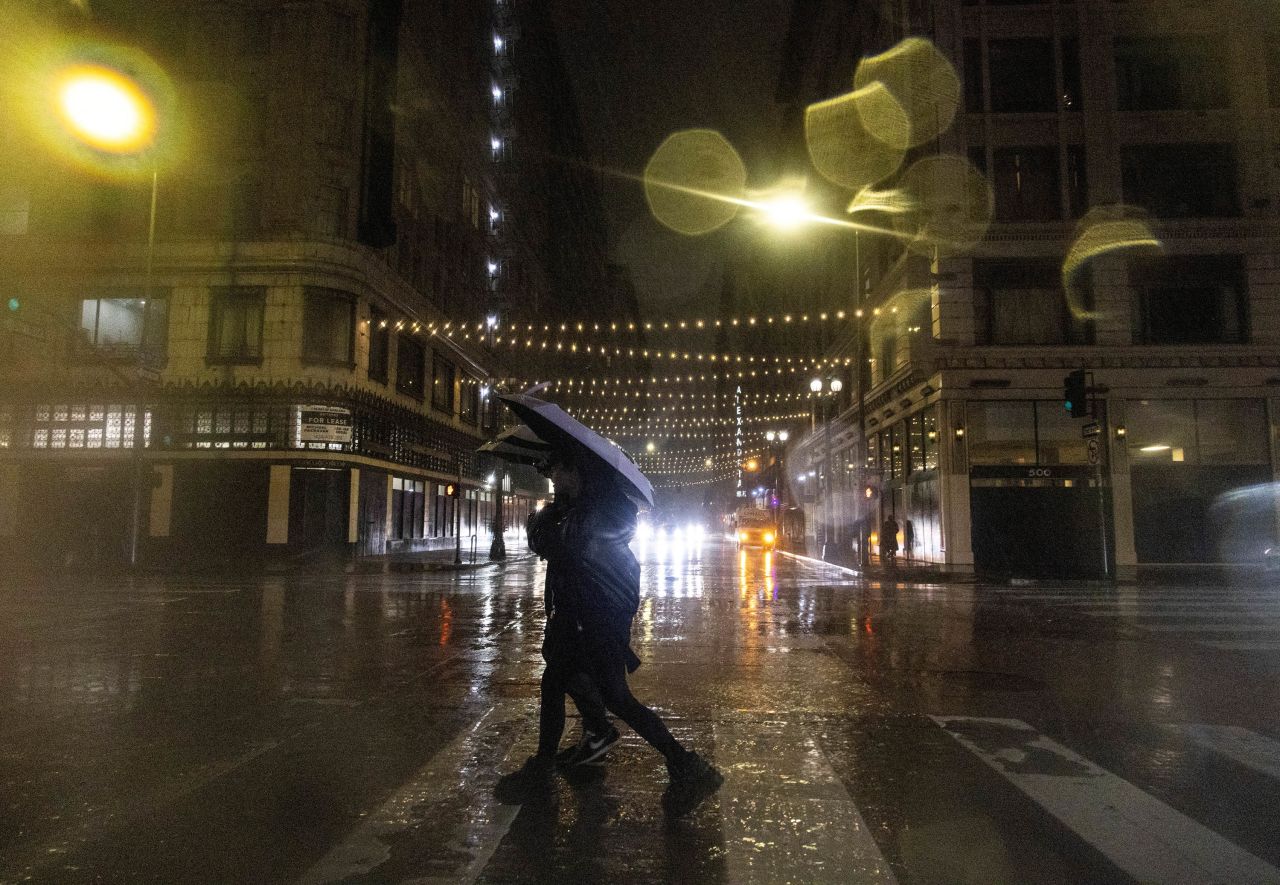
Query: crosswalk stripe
{"type": "Point", "coordinates": [785, 814]}
{"type": "Point", "coordinates": [1243, 645]}
{"type": "Point", "coordinates": [1138, 833]}
{"type": "Point", "coordinates": [1250, 749]}
{"type": "Point", "coordinates": [369, 845]}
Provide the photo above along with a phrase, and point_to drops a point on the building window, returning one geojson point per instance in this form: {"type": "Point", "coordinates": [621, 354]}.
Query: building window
{"type": "Point", "coordinates": [87, 426]}
{"type": "Point", "coordinates": [1190, 299]}
{"type": "Point", "coordinates": [489, 408]}
{"type": "Point", "coordinates": [1077, 181]}
{"type": "Point", "coordinates": [1026, 184]}
{"type": "Point", "coordinates": [379, 345]}
{"type": "Point", "coordinates": [442, 376]}
{"type": "Point", "coordinates": [411, 362]}
{"type": "Point", "coordinates": [125, 325]}
{"type": "Point", "coordinates": [235, 324]}
{"type": "Point", "coordinates": [1181, 180]}
{"type": "Point", "coordinates": [1022, 75]}
{"type": "Point", "coordinates": [408, 508]}
{"type": "Point", "coordinates": [1023, 302]}
{"type": "Point", "coordinates": [1072, 96]}
{"type": "Point", "coordinates": [327, 326]}
{"type": "Point", "coordinates": [1023, 432]}
{"type": "Point", "coordinates": [469, 404]}
{"type": "Point", "coordinates": [1169, 74]}
{"type": "Point", "coordinates": [1232, 431]}
{"type": "Point", "coordinates": [973, 76]}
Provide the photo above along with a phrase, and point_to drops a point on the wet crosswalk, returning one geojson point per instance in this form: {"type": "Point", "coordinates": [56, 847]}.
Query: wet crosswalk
{"type": "Point", "coordinates": [790, 811]}
{"type": "Point", "coordinates": [1227, 618]}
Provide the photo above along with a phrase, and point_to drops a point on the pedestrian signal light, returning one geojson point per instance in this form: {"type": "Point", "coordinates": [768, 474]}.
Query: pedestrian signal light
{"type": "Point", "coordinates": [14, 304]}
{"type": "Point", "coordinates": [451, 490]}
{"type": "Point", "coordinates": [1075, 394]}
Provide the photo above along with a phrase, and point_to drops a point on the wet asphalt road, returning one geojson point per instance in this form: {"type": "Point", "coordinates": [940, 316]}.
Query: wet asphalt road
{"type": "Point", "coordinates": [351, 727]}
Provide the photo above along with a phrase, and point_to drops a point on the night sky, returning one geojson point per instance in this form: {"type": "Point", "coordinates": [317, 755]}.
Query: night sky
{"type": "Point", "coordinates": [644, 70]}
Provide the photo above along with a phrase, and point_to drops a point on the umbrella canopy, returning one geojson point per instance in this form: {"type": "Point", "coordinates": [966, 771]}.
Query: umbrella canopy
{"type": "Point", "coordinates": [560, 429]}
{"type": "Point", "coordinates": [518, 444]}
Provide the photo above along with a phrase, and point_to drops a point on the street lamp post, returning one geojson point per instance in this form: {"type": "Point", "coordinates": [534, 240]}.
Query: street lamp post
{"type": "Point", "coordinates": [109, 112]}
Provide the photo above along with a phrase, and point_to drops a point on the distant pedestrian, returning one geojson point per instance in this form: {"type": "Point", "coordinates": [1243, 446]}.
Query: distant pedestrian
{"type": "Point", "coordinates": [908, 538]}
{"type": "Point", "coordinates": [593, 584]}
{"type": "Point", "coordinates": [889, 540]}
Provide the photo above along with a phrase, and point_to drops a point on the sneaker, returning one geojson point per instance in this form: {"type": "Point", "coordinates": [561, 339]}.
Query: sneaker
{"type": "Point", "coordinates": [693, 779]}
{"type": "Point", "coordinates": [588, 751]}
{"type": "Point", "coordinates": [532, 780]}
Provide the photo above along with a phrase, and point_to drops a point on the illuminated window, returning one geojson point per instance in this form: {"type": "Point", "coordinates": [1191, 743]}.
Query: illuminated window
{"type": "Point", "coordinates": [125, 325]}
{"type": "Point", "coordinates": [235, 324]}
{"type": "Point", "coordinates": [469, 403]}
{"type": "Point", "coordinates": [1023, 302]}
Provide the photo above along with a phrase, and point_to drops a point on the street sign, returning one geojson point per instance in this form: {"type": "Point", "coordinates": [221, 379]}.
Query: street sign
{"type": "Point", "coordinates": [1095, 453]}
{"type": "Point", "coordinates": [1093, 428]}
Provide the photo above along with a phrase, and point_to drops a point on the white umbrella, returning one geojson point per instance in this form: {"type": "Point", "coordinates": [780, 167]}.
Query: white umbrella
{"type": "Point", "coordinates": [518, 444]}
{"type": "Point", "coordinates": [557, 427]}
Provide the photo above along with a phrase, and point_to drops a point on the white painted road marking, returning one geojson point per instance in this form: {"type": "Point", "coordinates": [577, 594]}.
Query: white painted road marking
{"type": "Point", "coordinates": [786, 816]}
{"type": "Point", "coordinates": [1140, 834]}
{"type": "Point", "coordinates": [369, 845]}
{"type": "Point", "coordinates": [1256, 751]}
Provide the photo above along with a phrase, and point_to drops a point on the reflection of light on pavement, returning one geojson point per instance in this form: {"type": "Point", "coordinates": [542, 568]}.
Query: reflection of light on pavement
{"type": "Point", "coordinates": [770, 586]}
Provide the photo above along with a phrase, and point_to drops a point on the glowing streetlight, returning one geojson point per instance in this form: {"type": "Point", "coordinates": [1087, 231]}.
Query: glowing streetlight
{"type": "Point", "coordinates": [105, 109]}
{"type": "Point", "coordinates": [816, 385]}
{"type": "Point", "coordinates": [786, 211]}
{"type": "Point", "coordinates": [782, 435]}
{"type": "Point", "coordinates": [651, 447]}
{"type": "Point", "coordinates": [836, 385]}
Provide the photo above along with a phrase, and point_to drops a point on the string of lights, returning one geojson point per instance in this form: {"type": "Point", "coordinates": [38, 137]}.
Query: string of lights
{"type": "Point", "coordinates": [574, 348]}
{"type": "Point", "coordinates": [663, 408]}
{"type": "Point", "coordinates": [517, 383]}
{"type": "Point", "coordinates": [678, 423]}
{"type": "Point", "coordinates": [484, 328]}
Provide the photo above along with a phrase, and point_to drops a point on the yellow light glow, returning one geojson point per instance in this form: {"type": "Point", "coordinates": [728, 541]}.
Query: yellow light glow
{"type": "Point", "coordinates": [786, 211]}
{"type": "Point", "coordinates": [105, 109]}
{"type": "Point", "coordinates": [768, 537]}
{"type": "Point", "coordinates": [742, 536]}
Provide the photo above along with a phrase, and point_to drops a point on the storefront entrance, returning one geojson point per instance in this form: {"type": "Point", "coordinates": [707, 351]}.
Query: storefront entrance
{"type": "Point", "coordinates": [1040, 522]}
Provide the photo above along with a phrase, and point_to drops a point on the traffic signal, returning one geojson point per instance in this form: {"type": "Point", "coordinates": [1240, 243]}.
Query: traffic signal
{"type": "Point", "coordinates": [451, 490]}
{"type": "Point", "coordinates": [15, 304]}
{"type": "Point", "coordinates": [1075, 394]}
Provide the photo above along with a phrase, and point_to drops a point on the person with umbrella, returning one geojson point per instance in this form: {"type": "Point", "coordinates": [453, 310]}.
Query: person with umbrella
{"type": "Point", "coordinates": [593, 586]}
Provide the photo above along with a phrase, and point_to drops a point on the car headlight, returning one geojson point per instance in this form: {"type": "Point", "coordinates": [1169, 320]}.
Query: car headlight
{"type": "Point", "coordinates": [768, 537]}
{"type": "Point", "coordinates": [742, 536]}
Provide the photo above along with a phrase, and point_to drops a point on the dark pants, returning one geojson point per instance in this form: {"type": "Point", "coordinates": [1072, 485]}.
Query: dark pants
{"type": "Point", "coordinates": [562, 677]}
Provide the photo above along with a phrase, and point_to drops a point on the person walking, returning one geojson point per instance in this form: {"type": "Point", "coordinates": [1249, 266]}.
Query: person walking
{"type": "Point", "coordinates": [593, 584]}
{"type": "Point", "coordinates": [889, 540]}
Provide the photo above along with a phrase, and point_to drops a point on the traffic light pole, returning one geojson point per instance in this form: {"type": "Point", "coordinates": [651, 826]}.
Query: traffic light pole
{"type": "Point", "coordinates": [457, 517]}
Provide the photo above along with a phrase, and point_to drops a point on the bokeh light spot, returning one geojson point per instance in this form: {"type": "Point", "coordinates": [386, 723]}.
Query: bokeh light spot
{"type": "Point", "coordinates": [1104, 229]}
{"type": "Point", "coordinates": [951, 205]}
{"type": "Point", "coordinates": [840, 134]}
{"type": "Point", "coordinates": [106, 109]}
{"type": "Point", "coordinates": [925, 86]}
{"type": "Point", "coordinates": [695, 181]}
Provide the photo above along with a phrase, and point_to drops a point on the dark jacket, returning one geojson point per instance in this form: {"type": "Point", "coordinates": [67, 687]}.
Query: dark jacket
{"type": "Point", "coordinates": [593, 579]}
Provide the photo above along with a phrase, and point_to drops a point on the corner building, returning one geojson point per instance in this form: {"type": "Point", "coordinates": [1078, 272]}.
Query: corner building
{"type": "Point", "coordinates": [1168, 108]}
{"type": "Point", "coordinates": [264, 380]}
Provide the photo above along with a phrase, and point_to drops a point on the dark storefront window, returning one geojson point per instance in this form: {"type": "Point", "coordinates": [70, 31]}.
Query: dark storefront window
{"type": "Point", "coordinates": [1077, 181]}
{"type": "Point", "coordinates": [442, 376]}
{"type": "Point", "coordinates": [408, 502]}
{"type": "Point", "coordinates": [1190, 300]}
{"type": "Point", "coordinates": [410, 365]}
{"type": "Point", "coordinates": [1273, 71]}
{"type": "Point", "coordinates": [1072, 96]}
{"type": "Point", "coordinates": [1201, 480]}
{"type": "Point", "coordinates": [235, 324]}
{"type": "Point", "coordinates": [379, 345]}
{"type": "Point", "coordinates": [973, 76]}
{"type": "Point", "coordinates": [1181, 180]}
{"type": "Point", "coordinates": [328, 326]}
